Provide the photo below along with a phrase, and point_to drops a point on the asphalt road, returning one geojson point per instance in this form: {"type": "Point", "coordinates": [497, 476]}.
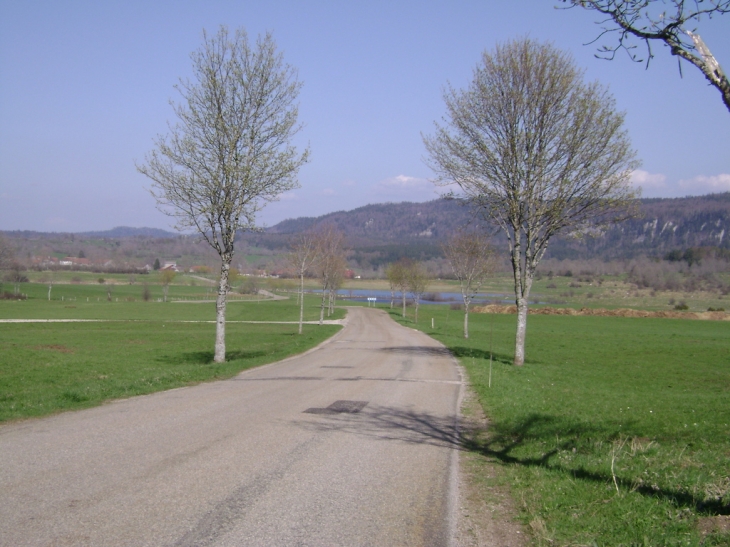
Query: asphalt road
{"type": "Point", "coordinates": [350, 444]}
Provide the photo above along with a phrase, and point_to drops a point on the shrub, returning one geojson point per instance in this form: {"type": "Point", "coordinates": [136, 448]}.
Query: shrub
{"type": "Point", "coordinates": [682, 305]}
{"type": "Point", "coordinates": [11, 296]}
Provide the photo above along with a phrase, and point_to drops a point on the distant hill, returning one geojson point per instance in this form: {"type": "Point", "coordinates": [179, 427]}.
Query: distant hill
{"type": "Point", "coordinates": [126, 231]}
{"type": "Point", "coordinates": [120, 232]}
{"type": "Point", "coordinates": [665, 224]}
{"type": "Point", "coordinates": [388, 222]}
{"type": "Point", "coordinates": [381, 233]}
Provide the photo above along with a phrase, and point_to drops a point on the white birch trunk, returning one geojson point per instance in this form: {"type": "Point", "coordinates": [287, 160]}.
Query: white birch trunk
{"type": "Point", "coordinates": [301, 301]}
{"type": "Point", "coordinates": [466, 320]}
{"type": "Point", "coordinates": [220, 314]}
{"type": "Point", "coordinates": [521, 331]}
{"type": "Point", "coordinates": [321, 307]}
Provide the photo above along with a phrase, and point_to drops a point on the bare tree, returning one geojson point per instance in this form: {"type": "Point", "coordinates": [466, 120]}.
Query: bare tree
{"type": "Point", "coordinates": [303, 257]}
{"type": "Point", "coordinates": [6, 254]}
{"type": "Point", "coordinates": [393, 274]}
{"type": "Point", "coordinates": [417, 283]}
{"type": "Point", "coordinates": [231, 151]}
{"type": "Point", "coordinates": [398, 277]}
{"type": "Point", "coordinates": [331, 263]}
{"type": "Point", "coordinates": [472, 259]}
{"type": "Point", "coordinates": [166, 277]}
{"type": "Point", "coordinates": [537, 151]}
{"type": "Point", "coordinates": [664, 21]}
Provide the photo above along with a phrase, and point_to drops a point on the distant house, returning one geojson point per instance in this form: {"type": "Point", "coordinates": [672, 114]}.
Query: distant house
{"type": "Point", "coordinates": [74, 261]}
{"type": "Point", "coordinates": [169, 266]}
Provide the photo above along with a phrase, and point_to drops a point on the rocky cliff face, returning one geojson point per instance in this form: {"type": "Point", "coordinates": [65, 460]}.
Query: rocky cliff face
{"type": "Point", "coordinates": [665, 225]}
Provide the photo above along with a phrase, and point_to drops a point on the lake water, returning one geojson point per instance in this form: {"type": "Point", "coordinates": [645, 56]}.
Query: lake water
{"type": "Point", "coordinates": [362, 295]}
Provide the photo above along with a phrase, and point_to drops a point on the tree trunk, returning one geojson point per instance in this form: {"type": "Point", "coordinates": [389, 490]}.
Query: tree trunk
{"type": "Point", "coordinates": [321, 308]}
{"type": "Point", "coordinates": [521, 331]}
{"type": "Point", "coordinates": [404, 304]}
{"type": "Point", "coordinates": [301, 301]}
{"type": "Point", "coordinates": [415, 300]}
{"type": "Point", "coordinates": [49, 291]}
{"type": "Point", "coordinates": [220, 314]}
{"type": "Point", "coordinates": [466, 320]}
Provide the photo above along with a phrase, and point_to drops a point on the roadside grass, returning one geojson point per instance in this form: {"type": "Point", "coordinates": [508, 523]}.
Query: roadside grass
{"type": "Point", "coordinates": [615, 432]}
{"type": "Point", "coordinates": [143, 348]}
{"type": "Point", "coordinates": [70, 302]}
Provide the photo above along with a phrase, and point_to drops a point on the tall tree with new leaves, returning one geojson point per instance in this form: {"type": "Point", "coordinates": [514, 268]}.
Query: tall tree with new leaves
{"type": "Point", "coordinates": [230, 152]}
{"type": "Point", "coordinates": [537, 151]}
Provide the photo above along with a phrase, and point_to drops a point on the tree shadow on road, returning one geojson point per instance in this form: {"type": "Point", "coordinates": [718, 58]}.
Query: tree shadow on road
{"type": "Point", "coordinates": [405, 426]}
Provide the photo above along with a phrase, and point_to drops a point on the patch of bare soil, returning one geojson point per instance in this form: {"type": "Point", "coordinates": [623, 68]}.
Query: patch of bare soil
{"type": "Point", "coordinates": [714, 525]}
{"type": "Point", "coordinates": [55, 347]}
{"type": "Point", "coordinates": [486, 514]}
{"type": "Point", "coordinates": [600, 312]}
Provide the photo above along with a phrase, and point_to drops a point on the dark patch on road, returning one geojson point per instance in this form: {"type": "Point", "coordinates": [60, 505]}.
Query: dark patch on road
{"type": "Point", "coordinates": [339, 407]}
{"type": "Point", "coordinates": [418, 350]}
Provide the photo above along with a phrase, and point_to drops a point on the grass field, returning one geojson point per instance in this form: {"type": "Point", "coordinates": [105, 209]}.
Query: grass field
{"type": "Point", "coordinates": [136, 348]}
{"type": "Point", "coordinates": [615, 432]}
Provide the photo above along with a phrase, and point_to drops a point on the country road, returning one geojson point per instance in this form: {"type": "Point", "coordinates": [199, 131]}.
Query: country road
{"type": "Point", "coordinates": [351, 444]}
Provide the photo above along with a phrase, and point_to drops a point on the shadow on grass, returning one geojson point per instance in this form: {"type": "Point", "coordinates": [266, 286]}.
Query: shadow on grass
{"type": "Point", "coordinates": [476, 353]}
{"type": "Point", "coordinates": [393, 424]}
{"type": "Point", "coordinates": [206, 357]}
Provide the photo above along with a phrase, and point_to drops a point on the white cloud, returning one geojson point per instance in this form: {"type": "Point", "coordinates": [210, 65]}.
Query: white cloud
{"type": "Point", "coordinates": [405, 188]}
{"type": "Point", "coordinates": [702, 184]}
{"type": "Point", "coordinates": [404, 181]}
{"type": "Point", "coordinates": [287, 196]}
{"type": "Point", "coordinates": [329, 192]}
{"type": "Point", "coordinates": [651, 182]}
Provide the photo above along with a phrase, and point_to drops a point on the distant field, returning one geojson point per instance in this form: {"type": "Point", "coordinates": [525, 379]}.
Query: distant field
{"type": "Point", "coordinates": [139, 347]}
{"type": "Point", "coordinates": [615, 432]}
{"type": "Point", "coordinates": [611, 292]}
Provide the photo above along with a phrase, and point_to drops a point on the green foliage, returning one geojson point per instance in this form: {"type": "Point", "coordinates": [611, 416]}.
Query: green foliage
{"type": "Point", "coordinates": [615, 432]}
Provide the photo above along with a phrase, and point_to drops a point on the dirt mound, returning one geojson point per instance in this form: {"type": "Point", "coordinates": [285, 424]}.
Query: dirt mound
{"type": "Point", "coordinates": [621, 312]}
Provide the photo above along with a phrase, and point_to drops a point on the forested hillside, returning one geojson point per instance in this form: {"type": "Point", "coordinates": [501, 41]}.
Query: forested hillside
{"type": "Point", "coordinates": [663, 225]}
{"type": "Point", "coordinates": [382, 233]}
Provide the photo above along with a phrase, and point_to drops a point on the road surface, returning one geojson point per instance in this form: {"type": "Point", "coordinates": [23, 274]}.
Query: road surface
{"type": "Point", "coordinates": [350, 444]}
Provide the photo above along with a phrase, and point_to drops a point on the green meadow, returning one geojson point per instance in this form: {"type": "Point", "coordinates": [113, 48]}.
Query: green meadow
{"type": "Point", "coordinates": [132, 347]}
{"type": "Point", "coordinates": [615, 432]}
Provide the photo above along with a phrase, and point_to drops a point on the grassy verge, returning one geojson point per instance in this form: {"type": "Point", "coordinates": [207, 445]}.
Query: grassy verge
{"type": "Point", "coordinates": [50, 367]}
{"type": "Point", "coordinates": [615, 432]}
{"type": "Point", "coordinates": [90, 302]}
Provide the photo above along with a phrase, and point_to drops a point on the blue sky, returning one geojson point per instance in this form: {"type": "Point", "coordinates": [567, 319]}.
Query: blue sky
{"type": "Point", "coordinates": [85, 87]}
